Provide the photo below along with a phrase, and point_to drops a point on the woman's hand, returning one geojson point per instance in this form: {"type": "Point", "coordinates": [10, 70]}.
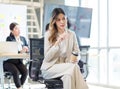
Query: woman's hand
{"type": "Point", "coordinates": [52, 22]}
{"type": "Point", "coordinates": [24, 49]}
{"type": "Point", "coordinates": [61, 37]}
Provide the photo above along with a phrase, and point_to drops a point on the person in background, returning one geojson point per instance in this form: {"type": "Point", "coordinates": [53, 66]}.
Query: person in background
{"type": "Point", "coordinates": [16, 66]}
{"type": "Point", "coordinates": [60, 43]}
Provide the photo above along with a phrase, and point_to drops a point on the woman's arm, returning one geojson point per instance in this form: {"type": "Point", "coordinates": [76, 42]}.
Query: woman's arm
{"type": "Point", "coordinates": [50, 51]}
{"type": "Point", "coordinates": [25, 48]}
{"type": "Point", "coordinates": [75, 43]}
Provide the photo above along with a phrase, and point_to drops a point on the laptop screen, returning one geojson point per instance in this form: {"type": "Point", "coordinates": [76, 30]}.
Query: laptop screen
{"type": "Point", "coordinates": [8, 47]}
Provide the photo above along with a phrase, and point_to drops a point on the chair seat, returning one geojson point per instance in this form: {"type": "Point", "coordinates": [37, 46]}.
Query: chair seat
{"type": "Point", "coordinates": [8, 75]}
{"type": "Point", "coordinates": [51, 83]}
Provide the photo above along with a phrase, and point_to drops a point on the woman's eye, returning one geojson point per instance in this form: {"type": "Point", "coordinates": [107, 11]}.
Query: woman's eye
{"type": "Point", "coordinates": [60, 19]}
{"type": "Point", "coordinates": [63, 18]}
{"type": "Point", "coordinates": [57, 19]}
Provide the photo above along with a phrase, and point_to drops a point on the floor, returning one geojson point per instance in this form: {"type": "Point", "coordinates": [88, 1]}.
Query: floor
{"type": "Point", "coordinates": [41, 86]}
{"type": "Point", "coordinates": [36, 85]}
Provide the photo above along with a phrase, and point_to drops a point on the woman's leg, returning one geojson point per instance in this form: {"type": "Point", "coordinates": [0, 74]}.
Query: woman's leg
{"type": "Point", "coordinates": [68, 82]}
{"type": "Point", "coordinates": [73, 78]}
{"type": "Point", "coordinates": [23, 71]}
{"type": "Point", "coordinates": [71, 75]}
{"type": "Point", "coordinates": [79, 80]}
{"type": "Point", "coordinates": [15, 72]}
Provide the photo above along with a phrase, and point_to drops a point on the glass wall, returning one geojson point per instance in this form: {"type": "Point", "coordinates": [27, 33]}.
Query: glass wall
{"type": "Point", "coordinates": [104, 53]}
{"type": "Point", "coordinates": [114, 52]}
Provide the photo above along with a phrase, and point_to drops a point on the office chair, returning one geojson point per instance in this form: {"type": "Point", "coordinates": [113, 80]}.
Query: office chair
{"type": "Point", "coordinates": [8, 76]}
{"type": "Point", "coordinates": [37, 56]}
{"type": "Point", "coordinates": [83, 62]}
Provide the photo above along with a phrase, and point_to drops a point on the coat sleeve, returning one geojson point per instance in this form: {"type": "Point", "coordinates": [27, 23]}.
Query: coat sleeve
{"type": "Point", "coordinates": [50, 51]}
{"type": "Point", "coordinates": [75, 43]}
{"type": "Point", "coordinates": [24, 41]}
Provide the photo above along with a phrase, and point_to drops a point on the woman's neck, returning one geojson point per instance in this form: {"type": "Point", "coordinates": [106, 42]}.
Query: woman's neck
{"type": "Point", "coordinates": [17, 36]}
{"type": "Point", "coordinates": [60, 31]}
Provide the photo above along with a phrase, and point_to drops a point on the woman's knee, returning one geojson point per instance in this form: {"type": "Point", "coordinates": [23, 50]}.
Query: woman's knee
{"type": "Point", "coordinates": [76, 66]}
{"type": "Point", "coordinates": [24, 72]}
{"type": "Point", "coordinates": [15, 72]}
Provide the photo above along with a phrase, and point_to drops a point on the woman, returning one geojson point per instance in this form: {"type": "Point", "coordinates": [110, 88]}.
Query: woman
{"type": "Point", "coordinates": [60, 42]}
{"type": "Point", "coordinates": [16, 66]}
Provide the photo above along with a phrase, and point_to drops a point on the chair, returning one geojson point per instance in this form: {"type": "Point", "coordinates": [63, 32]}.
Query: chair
{"type": "Point", "coordinates": [83, 63]}
{"type": "Point", "coordinates": [8, 76]}
{"type": "Point", "coordinates": [37, 56]}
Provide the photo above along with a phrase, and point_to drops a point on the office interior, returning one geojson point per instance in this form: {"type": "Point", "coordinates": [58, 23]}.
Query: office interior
{"type": "Point", "coordinates": [104, 51]}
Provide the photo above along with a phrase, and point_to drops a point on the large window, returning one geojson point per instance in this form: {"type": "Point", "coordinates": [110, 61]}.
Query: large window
{"type": "Point", "coordinates": [114, 53]}
{"type": "Point", "coordinates": [104, 53]}
{"type": "Point", "coordinates": [72, 2]}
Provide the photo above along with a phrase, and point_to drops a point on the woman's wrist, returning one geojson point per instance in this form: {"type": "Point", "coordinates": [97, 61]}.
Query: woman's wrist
{"type": "Point", "coordinates": [56, 43]}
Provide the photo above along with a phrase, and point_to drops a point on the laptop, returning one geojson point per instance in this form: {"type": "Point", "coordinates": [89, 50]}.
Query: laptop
{"type": "Point", "coordinates": [8, 47]}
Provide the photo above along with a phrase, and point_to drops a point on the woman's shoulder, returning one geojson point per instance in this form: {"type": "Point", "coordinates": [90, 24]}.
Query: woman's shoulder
{"type": "Point", "coordinates": [47, 33]}
{"type": "Point", "coordinates": [10, 38]}
{"type": "Point", "coordinates": [22, 37]}
{"type": "Point", "coordinates": [71, 32]}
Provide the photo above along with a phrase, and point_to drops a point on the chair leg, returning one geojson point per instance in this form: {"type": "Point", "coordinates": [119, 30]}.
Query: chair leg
{"type": "Point", "coordinates": [9, 80]}
{"type": "Point", "coordinates": [8, 83]}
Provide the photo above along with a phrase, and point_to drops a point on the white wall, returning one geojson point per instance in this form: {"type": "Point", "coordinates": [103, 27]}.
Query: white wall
{"type": "Point", "coordinates": [12, 13]}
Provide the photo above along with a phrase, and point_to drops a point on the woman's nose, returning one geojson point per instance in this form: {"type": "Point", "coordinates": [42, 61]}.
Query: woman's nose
{"type": "Point", "coordinates": [62, 21]}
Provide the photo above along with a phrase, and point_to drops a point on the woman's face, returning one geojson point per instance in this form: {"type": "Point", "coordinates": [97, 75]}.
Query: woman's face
{"type": "Point", "coordinates": [61, 22]}
{"type": "Point", "coordinates": [16, 30]}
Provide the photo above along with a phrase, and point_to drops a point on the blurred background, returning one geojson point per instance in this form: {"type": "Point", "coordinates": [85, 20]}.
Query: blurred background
{"type": "Point", "coordinates": [103, 30]}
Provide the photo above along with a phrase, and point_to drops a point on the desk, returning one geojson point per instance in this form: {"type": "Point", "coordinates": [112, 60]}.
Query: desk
{"type": "Point", "coordinates": [6, 56]}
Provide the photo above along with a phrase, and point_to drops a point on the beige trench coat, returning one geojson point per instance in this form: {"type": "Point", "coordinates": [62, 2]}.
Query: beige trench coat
{"type": "Point", "coordinates": [57, 62]}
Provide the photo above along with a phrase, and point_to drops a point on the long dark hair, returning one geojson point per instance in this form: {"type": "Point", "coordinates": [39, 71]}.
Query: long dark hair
{"type": "Point", "coordinates": [55, 13]}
